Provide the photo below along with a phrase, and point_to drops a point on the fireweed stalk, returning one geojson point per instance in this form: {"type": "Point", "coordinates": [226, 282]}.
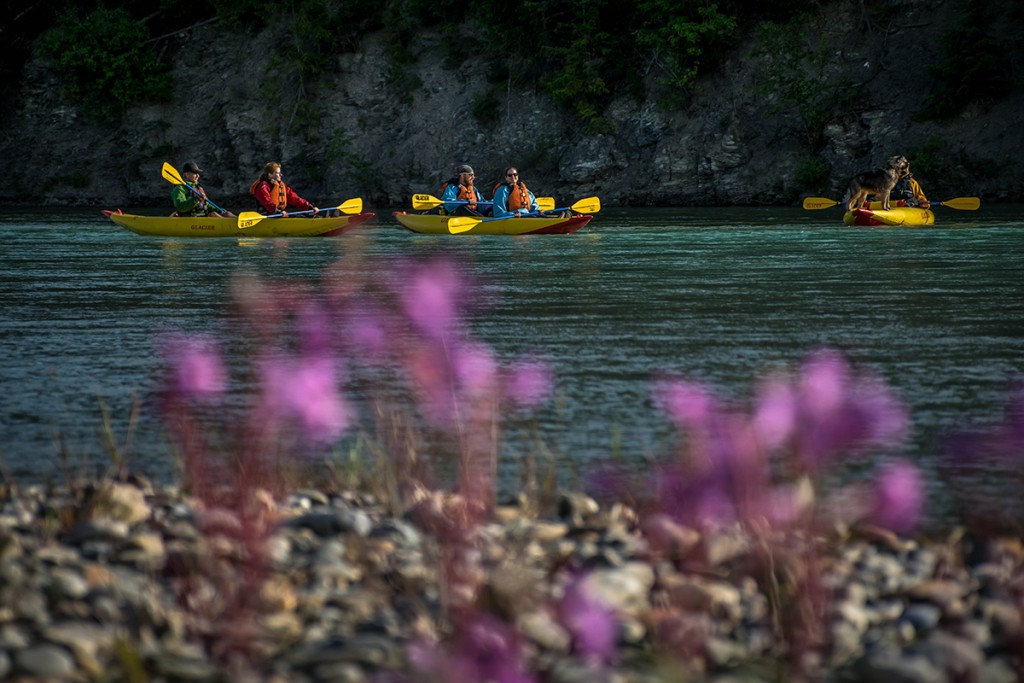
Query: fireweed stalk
{"type": "Point", "coordinates": [309, 346]}
{"type": "Point", "coordinates": [760, 469]}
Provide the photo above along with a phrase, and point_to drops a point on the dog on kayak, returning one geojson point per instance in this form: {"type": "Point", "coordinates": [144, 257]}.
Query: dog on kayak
{"type": "Point", "coordinates": [878, 182]}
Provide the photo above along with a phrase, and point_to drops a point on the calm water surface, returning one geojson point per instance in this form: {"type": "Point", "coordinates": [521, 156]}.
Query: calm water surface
{"type": "Point", "coordinates": [714, 294]}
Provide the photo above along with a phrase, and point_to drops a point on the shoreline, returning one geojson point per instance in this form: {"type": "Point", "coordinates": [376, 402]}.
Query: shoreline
{"type": "Point", "coordinates": [127, 580]}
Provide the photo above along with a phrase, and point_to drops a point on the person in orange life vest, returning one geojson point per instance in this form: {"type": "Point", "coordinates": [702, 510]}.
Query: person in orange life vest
{"type": "Point", "coordinates": [190, 199]}
{"type": "Point", "coordinates": [273, 196]}
{"type": "Point", "coordinates": [461, 189]}
{"type": "Point", "coordinates": [512, 198]}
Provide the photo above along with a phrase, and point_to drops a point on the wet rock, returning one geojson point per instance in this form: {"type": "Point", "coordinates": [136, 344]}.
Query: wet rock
{"type": "Point", "coordinates": [44, 661]}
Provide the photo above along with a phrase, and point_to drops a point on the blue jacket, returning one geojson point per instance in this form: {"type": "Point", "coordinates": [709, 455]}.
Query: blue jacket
{"type": "Point", "coordinates": [501, 201]}
{"type": "Point", "coordinates": [451, 194]}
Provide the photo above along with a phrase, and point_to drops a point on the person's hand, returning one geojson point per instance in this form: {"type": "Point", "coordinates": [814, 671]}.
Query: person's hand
{"type": "Point", "coordinates": [316, 210]}
{"type": "Point", "coordinates": [284, 214]}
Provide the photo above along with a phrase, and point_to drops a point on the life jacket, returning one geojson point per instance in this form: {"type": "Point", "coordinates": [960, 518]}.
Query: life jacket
{"type": "Point", "coordinates": [466, 194]}
{"type": "Point", "coordinates": [518, 197]}
{"type": "Point", "coordinates": [278, 192]}
{"type": "Point", "coordinates": [902, 189]}
{"type": "Point", "coordinates": [200, 208]}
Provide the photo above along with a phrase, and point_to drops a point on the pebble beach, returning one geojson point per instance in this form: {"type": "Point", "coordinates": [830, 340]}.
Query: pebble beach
{"type": "Point", "coordinates": [131, 581]}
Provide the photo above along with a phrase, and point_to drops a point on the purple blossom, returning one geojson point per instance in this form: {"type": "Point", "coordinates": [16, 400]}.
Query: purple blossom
{"type": "Point", "coordinates": [827, 410]}
{"type": "Point", "coordinates": [688, 404]}
{"type": "Point", "coordinates": [305, 390]}
{"type": "Point", "coordinates": [593, 626]}
{"type": "Point", "coordinates": [898, 497]}
{"type": "Point", "coordinates": [486, 650]}
{"type": "Point", "coordinates": [528, 383]}
{"type": "Point", "coordinates": [775, 414]}
{"type": "Point", "coordinates": [196, 370]}
{"type": "Point", "coordinates": [313, 324]}
{"type": "Point", "coordinates": [367, 332]}
{"type": "Point", "coordinates": [430, 294]}
{"type": "Point", "coordinates": [474, 369]}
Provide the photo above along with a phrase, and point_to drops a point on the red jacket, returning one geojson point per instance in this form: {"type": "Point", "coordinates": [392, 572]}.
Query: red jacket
{"type": "Point", "coordinates": [277, 197]}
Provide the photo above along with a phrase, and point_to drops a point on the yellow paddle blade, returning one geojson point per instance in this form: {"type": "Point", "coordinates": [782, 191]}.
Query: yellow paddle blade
{"type": "Point", "coordinates": [421, 202]}
{"type": "Point", "coordinates": [354, 205]}
{"type": "Point", "coordinates": [462, 224]}
{"type": "Point", "coordinates": [588, 205]}
{"type": "Point", "coordinates": [813, 203]}
{"type": "Point", "coordinates": [963, 203]}
{"type": "Point", "coordinates": [171, 174]}
{"type": "Point", "coordinates": [247, 219]}
{"type": "Point", "coordinates": [545, 203]}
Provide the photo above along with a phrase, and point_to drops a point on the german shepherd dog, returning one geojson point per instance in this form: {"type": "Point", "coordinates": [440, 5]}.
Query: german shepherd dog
{"type": "Point", "coordinates": [878, 182]}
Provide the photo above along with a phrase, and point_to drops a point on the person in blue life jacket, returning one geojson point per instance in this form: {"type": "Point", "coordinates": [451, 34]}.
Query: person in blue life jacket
{"type": "Point", "coordinates": [190, 199]}
{"type": "Point", "coordinates": [460, 188]}
{"type": "Point", "coordinates": [908, 190]}
{"type": "Point", "coordinates": [512, 197]}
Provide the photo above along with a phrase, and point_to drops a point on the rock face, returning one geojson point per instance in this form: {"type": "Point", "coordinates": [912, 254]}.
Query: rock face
{"type": "Point", "coordinates": [840, 93]}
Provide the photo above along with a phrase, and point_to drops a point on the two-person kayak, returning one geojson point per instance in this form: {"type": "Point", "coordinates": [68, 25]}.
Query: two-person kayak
{"type": "Point", "coordinates": [211, 226]}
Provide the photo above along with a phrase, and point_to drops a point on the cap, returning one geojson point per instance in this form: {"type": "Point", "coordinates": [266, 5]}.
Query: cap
{"type": "Point", "coordinates": [463, 168]}
{"type": "Point", "coordinates": [191, 167]}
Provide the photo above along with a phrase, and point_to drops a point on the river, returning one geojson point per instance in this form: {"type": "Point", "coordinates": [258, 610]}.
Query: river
{"type": "Point", "coordinates": [718, 295]}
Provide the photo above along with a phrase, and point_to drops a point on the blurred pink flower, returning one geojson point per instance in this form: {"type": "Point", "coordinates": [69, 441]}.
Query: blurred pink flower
{"type": "Point", "coordinates": [775, 413]}
{"type": "Point", "coordinates": [899, 496]}
{"type": "Point", "coordinates": [688, 404]}
{"type": "Point", "coordinates": [528, 383]}
{"type": "Point", "coordinates": [313, 325]}
{"type": "Point", "coordinates": [430, 295]}
{"type": "Point", "coordinates": [195, 367]}
{"type": "Point", "coordinates": [828, 410]}
{"type": "Point", "coordinates": [367, 332]}
{"type": "Point", "coordinates": [306, 391]}
{"type": "Point", "coordinates": [593, 626]}
{"type": "Point", "coordinates": [486, 649]}
{"type": "Point", "coordinates": [474, 368]}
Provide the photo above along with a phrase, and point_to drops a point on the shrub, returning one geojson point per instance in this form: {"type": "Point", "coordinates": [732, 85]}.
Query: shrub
{"type": "Point", "coordinates": [104, 60]}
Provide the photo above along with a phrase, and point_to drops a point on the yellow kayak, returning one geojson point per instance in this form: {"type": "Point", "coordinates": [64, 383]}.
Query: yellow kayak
{"type": "Point", "coordinates": [874, 214]}
{"type": "Point", "coordinates": [209, 226]}
{"type": "Point", "coordinates": [433, 224]}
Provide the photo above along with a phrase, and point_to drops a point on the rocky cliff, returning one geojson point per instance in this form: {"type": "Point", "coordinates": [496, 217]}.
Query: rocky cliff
{"type": "Point", "coordinates": [792, 113]}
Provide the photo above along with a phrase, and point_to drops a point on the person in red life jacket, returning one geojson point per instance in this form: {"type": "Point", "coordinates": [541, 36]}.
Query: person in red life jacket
{"type": "Point", "coordinates": [460, 189]}
{"type": "Point", "coordinates": [273, 196]}
{"type": "Point", "coordinates": [190, 199]}
{"type": "Point", "coordinates": [512, 198]}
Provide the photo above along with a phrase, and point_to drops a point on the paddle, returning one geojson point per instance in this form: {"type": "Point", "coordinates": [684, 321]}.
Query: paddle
{"type": "Point", "coordinates": [247, 219]}
{"type": "Point", "coordinates": [464, 223]}
{"type": "Point", "coordinates": [171, 175]}
{"type": "Point", "coordinates": [422, 202]}
{"type": "Point", "coordinates": [961, 203]}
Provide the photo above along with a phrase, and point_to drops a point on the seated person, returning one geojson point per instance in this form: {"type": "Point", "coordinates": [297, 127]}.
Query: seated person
{"type": "Point", "coordinates": [512, 198]}
{"type": "Point", "coordinates": [190, 199]}
{"type": "Point", "coordinates": [908, 190]}
{"type": "Point", "coordinates": [461, 197]}
{"type": "Point", "coordinates": [274, 196]}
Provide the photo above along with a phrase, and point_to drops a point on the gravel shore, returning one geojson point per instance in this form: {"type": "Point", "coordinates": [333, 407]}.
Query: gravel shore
{"type": "Point", "coordinates": [128, 581]}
